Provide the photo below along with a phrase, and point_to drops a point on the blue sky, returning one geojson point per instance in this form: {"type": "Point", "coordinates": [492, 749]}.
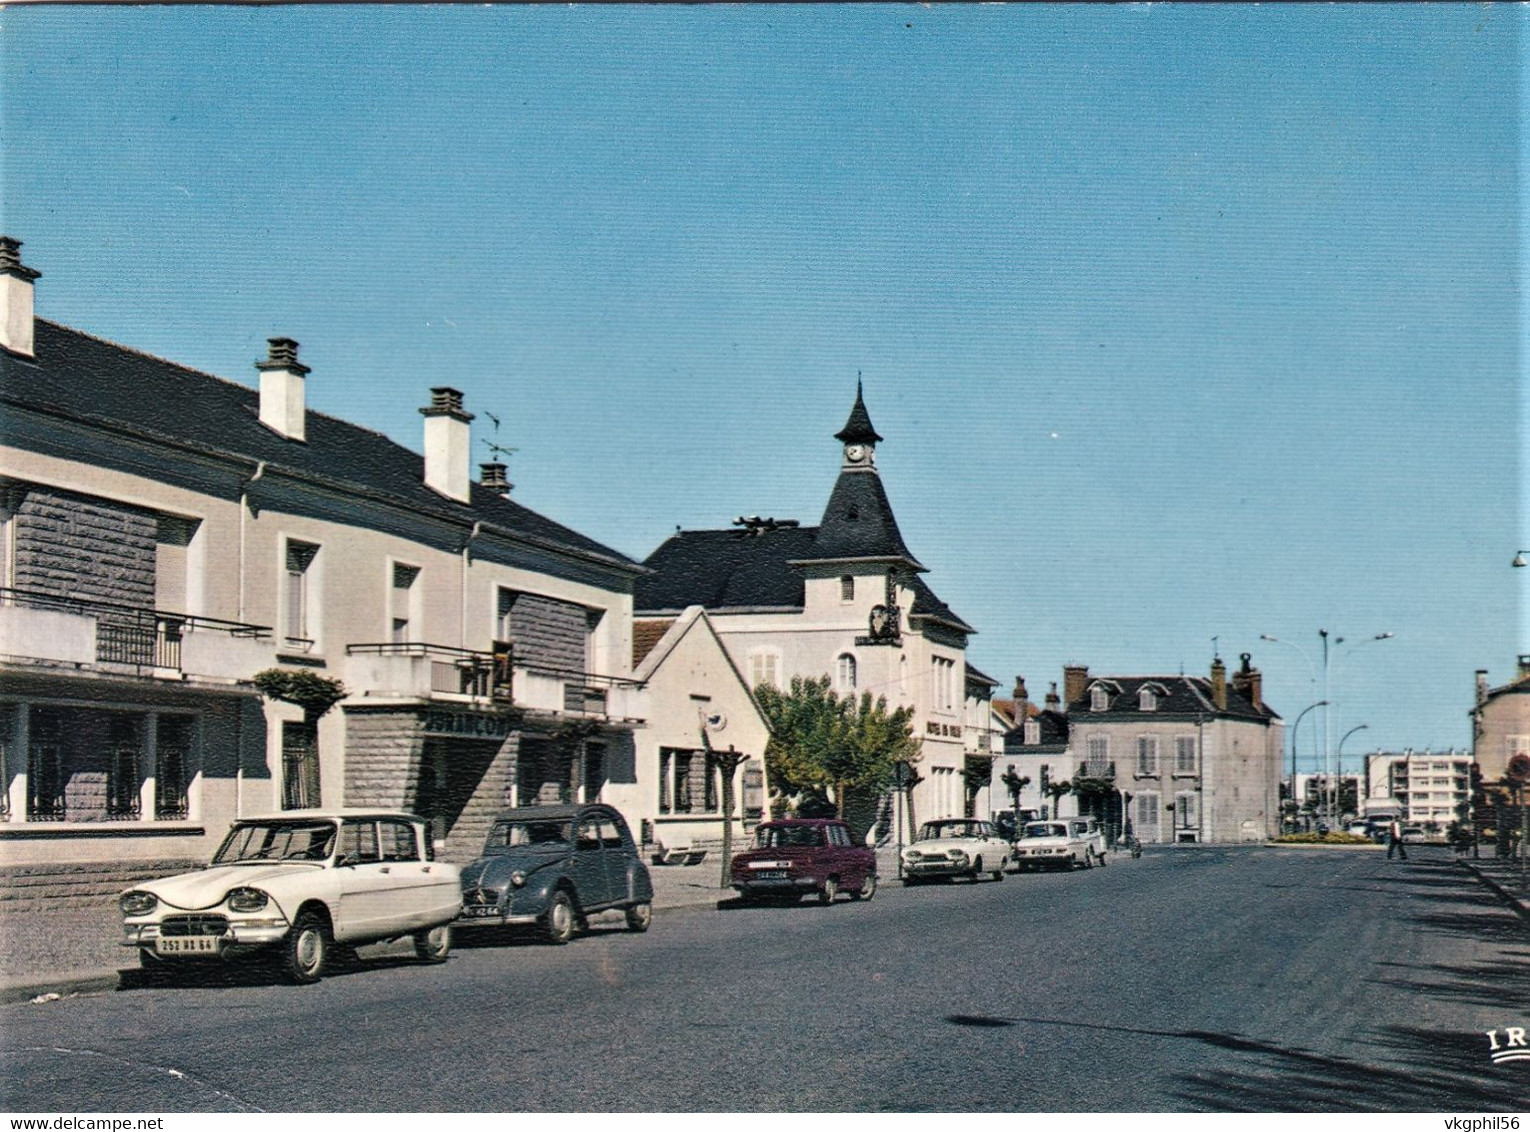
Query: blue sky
{"type": "Point", "coordinates": [1179, 322]}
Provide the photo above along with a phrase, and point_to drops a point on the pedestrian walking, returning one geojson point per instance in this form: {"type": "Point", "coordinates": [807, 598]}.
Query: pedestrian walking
{"type": "Point", "coordinates": [1395, 841]}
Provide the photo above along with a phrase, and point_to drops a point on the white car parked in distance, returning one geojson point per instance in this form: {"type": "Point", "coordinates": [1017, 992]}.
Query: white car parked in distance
{"type": "Point", "coordinates": [294, 885]}
{"type": "Point", "coordinates": [1061, 843]}
{"type": "Point", "coordinates": [955, 847]}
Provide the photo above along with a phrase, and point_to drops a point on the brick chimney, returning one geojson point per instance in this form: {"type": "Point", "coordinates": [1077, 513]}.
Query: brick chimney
{"type": "Point", "coordinates": [1053, 703]}
{"type": "Point", "coordinates": [1219, 684]}
{"type": "Point", "coordinates": [1482, 686]}
{"type": "Point", "coordinates": [1248, 680]}
{"type": "Point", "coordinates": [448, 444]}
{"type": "Point", "coordinates": [1524, 665]}
{"type": "Point", "coordinates": [493, 477]}
{"type": "Point", "coordinates": [16, 318]}
{"type": "Point", "coordinates": [1075, 680]}
{"type": "Point", "coordinates": [281, 389]}
{"type": "Point", "coordinates": [1022, 701]}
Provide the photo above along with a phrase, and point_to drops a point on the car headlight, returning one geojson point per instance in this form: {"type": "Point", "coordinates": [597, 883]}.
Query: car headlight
{"type": "Point", "coordinates": [138, 903]}
{"type": "Point", "coordinates": [958, 855]}
{"type": "Point", "coordinates": [518, 878]}
{"type": "Point", "coordinates": [246, 900]}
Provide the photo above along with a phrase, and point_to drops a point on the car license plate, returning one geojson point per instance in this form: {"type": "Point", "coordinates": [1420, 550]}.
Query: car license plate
{"type": "Point", "coordinates": [187, 945]}
{"type": "Point", "coordinates": [771, 874]}
{"type": "Point", "coordinates": [483, 910]}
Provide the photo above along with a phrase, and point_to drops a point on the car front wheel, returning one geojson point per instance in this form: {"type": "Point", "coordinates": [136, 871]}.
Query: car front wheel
{"type": "Point", "coordinates": [829, 891]}
{"type": "Point", "coordinates": [639, 916]}
{"type": "Point", "coordinates": [306, 948]}
{"type": "Point", "coordinates": [868, 888]}
{"type": "Point", "coordinates": [558, 921]}
{"type": "Point", "coordinates": [434, 945]}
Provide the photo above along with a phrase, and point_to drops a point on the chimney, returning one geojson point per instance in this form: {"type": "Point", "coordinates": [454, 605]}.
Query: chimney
{"type": "Point", "coordinates": [1022, 701]}
{"type": "Point", "coordinates": [1482, 686]}
{"type": "Point", "coordinates": [1219, 684]}
{"type": "Point", "coordinates": [493, 477]}
{"type": "Point", "coordinates": [1524, 665]}
{"type": "Point", "coordinates": [448, 444]}
{"type": "Point", "coordinates": [1075, 680]}
{"type": "Point", "coordinates": [1053, 703]}
{"type": "Point", "coordinates": [16, 321]}
{"type": "Point", "coordinates": [1247, 680]}
{"type": "Point", "coordinates": [281, 389]}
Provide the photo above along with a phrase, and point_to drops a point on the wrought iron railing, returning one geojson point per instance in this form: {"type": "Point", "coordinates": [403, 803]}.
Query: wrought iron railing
{"type": "Point", "coordinates": [130, 634]}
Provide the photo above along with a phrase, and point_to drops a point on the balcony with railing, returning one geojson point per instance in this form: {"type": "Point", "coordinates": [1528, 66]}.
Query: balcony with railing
{"type": "Point", "coordinates": [588, 695]}
{"type": "Point", "coordinates": [421, 670]}
{"type": "Point", "coordinates": [39, 626]}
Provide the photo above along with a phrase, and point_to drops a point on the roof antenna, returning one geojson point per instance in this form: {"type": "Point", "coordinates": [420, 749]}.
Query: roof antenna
{"type": "Point", "coordinates": [1215, 655]}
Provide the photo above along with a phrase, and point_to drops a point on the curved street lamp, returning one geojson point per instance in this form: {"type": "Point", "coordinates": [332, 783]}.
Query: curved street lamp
{"type": "Point", "coordinates": [1333, 817]}
{"type": "Point", "coordinates": [1338, 762]}
{"type": "Point", "coordinates": [1295, 805]}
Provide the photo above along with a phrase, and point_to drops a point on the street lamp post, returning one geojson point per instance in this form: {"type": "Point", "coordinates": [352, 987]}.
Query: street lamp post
{"type": "Point", "coordinates": [1295, 806]}
{"type": "Point", "coordinates": [1327, 731]}
{"type": "Point", "coordinates": [1339, 765]}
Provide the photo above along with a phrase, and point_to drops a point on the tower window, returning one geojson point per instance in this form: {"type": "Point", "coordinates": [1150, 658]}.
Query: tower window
{"type": "Point", "coordinates": [847, 588]}
{"type": "Point", "coordinates": [846, 673]}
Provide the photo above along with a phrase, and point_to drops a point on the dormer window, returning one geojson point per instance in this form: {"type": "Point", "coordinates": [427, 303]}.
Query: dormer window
{"type": "Point", "coordinates": [1032, 732]}
{"type": "Point", "coordinates": [1147, 699]}
{"type": "Point", "coordinates": [1099, 699]}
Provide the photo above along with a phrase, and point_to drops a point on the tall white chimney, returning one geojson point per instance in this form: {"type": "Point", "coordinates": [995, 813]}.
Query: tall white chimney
{"type": "Point", "coordinates": [281, 389]}
{"type": "Point", "coordinates": [448, 444]}
{"type": "Point", "coordinates": [16, 321]}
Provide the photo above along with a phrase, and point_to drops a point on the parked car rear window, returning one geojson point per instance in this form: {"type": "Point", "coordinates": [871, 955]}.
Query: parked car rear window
{"type": "Point", "coordinates": [780, 836]}
{"type": "Point", "coordinates": [1046, 829]}
{"type": "Point", "coordinates": [515, 834]}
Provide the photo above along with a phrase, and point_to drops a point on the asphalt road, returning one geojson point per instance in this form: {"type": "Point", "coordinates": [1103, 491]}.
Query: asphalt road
{"type": "Point", "coordinates": [1198, 979]}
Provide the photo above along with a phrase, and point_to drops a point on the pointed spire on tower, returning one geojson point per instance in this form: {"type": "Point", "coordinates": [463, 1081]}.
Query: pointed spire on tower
{"type": "Point", "coordinates": [858, 428]}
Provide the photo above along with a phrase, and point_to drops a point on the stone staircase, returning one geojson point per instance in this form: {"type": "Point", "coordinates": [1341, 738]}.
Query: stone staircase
{"type": "Point", "coordinates": [29, 888]}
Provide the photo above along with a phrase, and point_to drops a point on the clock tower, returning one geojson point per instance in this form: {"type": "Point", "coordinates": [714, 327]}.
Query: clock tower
{"type": "Point", "coordinates": [858, 437]}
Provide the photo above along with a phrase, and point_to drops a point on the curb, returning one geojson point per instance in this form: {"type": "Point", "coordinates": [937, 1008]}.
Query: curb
{"type": "Point", "coordinates": [69, 983]}
{"type": "Point", "coordinates": [1371, 848]}
{"type": "Point", "coordinates": [1515, 903]}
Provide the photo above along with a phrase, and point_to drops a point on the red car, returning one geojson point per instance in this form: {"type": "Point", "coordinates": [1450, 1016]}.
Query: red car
{"type": "Point", "coordinates": [801, 856]}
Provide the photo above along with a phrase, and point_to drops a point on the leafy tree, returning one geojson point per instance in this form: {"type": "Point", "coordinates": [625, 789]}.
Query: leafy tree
{"type": "Point", "coordinates": [822, 741]}
{"type": "Point", "coordinates": [1056, 791]}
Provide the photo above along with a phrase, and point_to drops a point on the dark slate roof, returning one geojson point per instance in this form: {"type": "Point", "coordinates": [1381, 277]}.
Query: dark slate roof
{"type": "Point", "coordinates": [86, 378]}
{"type": "Point", "coordinates": [1053, 733]}
{"type": "Point", "coordinates": [1177, 695]}
{"type": "Point", "coordinates": [743, 569]}
{"type": "Point", "coordinates": [858, 428]}
{"type": "Point", "coordinates": [858, 522]}
{"type": "Point", "coordinates": [926, 604]}
{"type": "Point", "coordinates": [978, 676]}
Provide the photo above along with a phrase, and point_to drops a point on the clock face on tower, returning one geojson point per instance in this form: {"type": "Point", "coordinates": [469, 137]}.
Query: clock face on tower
{"type": "Point", "coordinates": [855, 453]}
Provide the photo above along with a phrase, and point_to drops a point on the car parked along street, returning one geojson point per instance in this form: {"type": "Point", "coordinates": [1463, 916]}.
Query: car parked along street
{"type": "Point", "coordinates": [798, 857]}
{"type": "Point", "coordinates": [294, 885]}
{"type": "Point", "coordinates": [551, 867]}
{"type": "Point", "coordinates": [1062, 843]}
{"type": "Point", "coordinates": [955, 847]}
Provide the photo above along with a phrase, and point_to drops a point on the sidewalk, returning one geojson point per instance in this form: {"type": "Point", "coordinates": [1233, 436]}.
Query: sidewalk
{"type": "Point", "coordinates": [74, 948]}
{"type": "Point", "coordinates": [1503, 877]}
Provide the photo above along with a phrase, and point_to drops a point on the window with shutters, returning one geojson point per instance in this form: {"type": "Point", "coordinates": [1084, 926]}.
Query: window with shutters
{"type": "Point", "coordinates": [403, 604]}
{"type": "Point", "coordinates": [300, 620]}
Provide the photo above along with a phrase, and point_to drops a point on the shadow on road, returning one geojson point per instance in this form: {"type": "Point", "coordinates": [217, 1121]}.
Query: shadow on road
{"type": "Point", "coordinates": [1437, 1071]}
